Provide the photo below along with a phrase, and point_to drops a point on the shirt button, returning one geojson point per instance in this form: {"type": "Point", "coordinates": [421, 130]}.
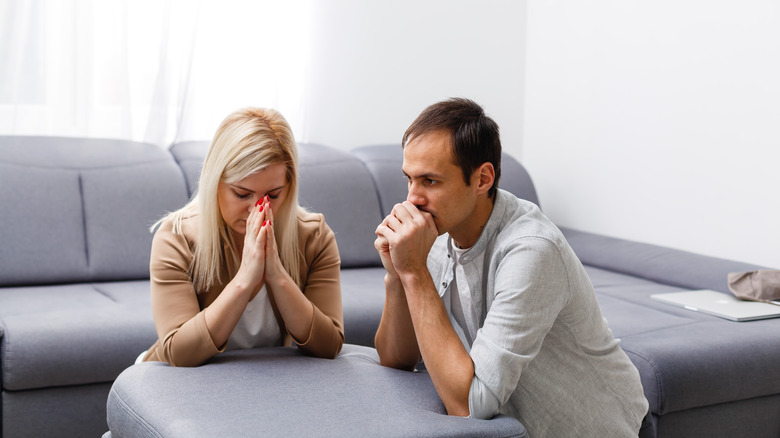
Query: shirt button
{"type": "Point", "coordinates": [444, 284]}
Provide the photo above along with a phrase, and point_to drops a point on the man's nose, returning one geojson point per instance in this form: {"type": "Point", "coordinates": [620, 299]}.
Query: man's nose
{"type": "Point", "coordinates": [415, 195]}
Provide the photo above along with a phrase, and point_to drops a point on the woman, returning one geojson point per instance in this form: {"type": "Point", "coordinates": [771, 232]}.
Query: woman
{"type": "Point", "coordinates": [242, 265]}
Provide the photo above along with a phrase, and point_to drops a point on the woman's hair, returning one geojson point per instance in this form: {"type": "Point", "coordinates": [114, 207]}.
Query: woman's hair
{"type": "Point", "coordinates": [246, 142]}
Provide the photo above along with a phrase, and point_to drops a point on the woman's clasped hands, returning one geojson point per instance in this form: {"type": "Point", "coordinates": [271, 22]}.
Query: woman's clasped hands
{"type": "Point", "coordinates": [260, 262]}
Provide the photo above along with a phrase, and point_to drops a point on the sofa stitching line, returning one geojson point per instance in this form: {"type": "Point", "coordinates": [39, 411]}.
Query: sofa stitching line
{"type": "Point", "coordinates": [104, 293]}
{"type": "Point", "coordinates": [652, 330]}
{"type": "Point", "coordinates": [83, 217]}
{"type": "Point", "coordinates": [133, 413]}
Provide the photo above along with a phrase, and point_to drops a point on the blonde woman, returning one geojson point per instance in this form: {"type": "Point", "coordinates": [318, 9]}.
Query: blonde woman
{"type": "Point", "coordinates": [242, 265]}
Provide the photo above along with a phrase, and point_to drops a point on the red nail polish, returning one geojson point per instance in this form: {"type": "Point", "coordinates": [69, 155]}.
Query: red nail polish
{"type": "Point", "coordinates": [261, 208]}
{"type": "Point", "coordinates": [265, 222]}
{"type": "Point", "coordinates": [258, 202]}
{"type": "Point", "coordinates": [267, 199]}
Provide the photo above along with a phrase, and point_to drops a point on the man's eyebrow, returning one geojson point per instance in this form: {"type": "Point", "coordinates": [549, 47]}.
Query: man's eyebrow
{"type": "Point", "coordinates": [424, 176]}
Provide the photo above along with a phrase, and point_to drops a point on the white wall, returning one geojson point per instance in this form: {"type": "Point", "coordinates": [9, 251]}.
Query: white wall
{"type": "Point", "coordinates": [376, 65]}
{"type": "Point", "coordinates": [658, 121]}
{"type": "Point", "coordinates": [654, 121]}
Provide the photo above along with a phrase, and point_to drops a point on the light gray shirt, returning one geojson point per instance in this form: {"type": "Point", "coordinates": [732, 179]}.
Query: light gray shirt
{"type": "Point", "coordinates": [542, 350]}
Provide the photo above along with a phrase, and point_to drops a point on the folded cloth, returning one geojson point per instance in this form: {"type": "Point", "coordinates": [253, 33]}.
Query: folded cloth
{"type": "Point", "coordinates": [762, 285]}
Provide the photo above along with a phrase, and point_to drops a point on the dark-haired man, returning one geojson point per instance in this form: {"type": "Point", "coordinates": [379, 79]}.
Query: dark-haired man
{"type": "Point", "coordinates": [485, 289]}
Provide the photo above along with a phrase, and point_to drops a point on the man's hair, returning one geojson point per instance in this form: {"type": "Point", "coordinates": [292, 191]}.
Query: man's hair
{"type": "Point", "coordinates": [474, 136]}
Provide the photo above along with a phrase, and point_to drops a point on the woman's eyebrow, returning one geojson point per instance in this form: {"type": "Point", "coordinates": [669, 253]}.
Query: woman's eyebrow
{"type": "Point", "coordinates": [252, 191]}
{"type": "Point", "coordinates": [236, 186]}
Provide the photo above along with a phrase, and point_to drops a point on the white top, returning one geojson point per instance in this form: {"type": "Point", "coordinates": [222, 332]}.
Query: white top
{"type": "Point", "coordinates": [257, 326]}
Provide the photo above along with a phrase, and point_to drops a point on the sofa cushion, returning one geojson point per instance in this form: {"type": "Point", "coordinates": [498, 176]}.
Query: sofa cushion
{"type": "Point", "coordinates": [657, 263]}
{"type": "Point", "coordinates": [65, 411]}
{"type": "Point", "coordinates": [190, 155]}
{"type": "Point", "coordinates": [290, 394]}
{"type": "Point", "coordinates": [72, 334]}
{"type": "Point", "coordinates": [81, 208]}
{"type": "Point", "coordinates": [336, 184]}
{"type": "Point", "coordinates": [385, 161]}
{"type": "Point", "coordinates": [687, 359]}
{"type": "Point", "coordinates": [45, 230]}
{"type": "Point", "coordinates": [363, 298]}
{"type": "Point", "coordinates": [331, 182]}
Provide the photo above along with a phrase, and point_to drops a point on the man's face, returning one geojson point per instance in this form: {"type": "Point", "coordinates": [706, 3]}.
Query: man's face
{"type": "Point", "coordinates": [436, 183]}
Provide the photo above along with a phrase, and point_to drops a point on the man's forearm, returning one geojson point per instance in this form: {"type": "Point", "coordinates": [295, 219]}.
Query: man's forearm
{"type": "Point", "coordinates": [395, 340]}
{"type": "Point", "coordinates": [446, 360]}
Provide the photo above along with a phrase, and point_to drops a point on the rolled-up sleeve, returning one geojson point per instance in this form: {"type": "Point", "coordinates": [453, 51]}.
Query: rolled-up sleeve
{"type": "Point", "coordinates": [530, 288]}
{"type": "Point", "coordinates": [483, 404]}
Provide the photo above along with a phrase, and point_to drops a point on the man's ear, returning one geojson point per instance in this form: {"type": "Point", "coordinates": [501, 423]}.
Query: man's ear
{"type": "Point", "coordinates": [485, 175]}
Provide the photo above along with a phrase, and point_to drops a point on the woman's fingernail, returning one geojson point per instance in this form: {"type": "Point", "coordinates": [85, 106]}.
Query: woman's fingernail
{"type": "Point", "coordinates": [258, 202]}
{"type": "Point", "coordinates": [261, 207]}
{"type": "Point", "coordinates": [267, 199]}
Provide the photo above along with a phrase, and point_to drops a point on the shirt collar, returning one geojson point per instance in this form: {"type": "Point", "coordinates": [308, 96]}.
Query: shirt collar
{"type": "Point", "coordinates": [490, 229]}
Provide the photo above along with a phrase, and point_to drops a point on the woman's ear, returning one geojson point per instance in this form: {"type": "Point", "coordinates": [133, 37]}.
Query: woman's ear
{"type": "Point", "coordinates": [486, 175]}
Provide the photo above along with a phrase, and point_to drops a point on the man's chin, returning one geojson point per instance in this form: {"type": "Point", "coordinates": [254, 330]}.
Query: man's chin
{"type": "Point", "coordinates": [439, 229]}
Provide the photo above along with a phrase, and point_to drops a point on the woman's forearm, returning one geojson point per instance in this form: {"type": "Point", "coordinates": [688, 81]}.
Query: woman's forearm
{"type": "Point", "coordinates": [296, 310]}
{"type": "Point", "coordinates": [225, 312]}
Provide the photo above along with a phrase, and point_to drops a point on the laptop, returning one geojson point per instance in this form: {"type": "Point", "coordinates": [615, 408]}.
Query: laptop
{"type": "Point", "coordinates": [720, 304]}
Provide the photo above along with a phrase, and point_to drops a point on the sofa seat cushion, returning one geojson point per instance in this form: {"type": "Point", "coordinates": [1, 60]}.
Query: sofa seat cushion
{"type": "Point", "coordinates": [72, 334]}
{"type": "Point", "coordinates": [363, 298]}
{"type": "Point", "coordinates": [281, 392]}
{"type": "Point", "coordinates": [687, 359]}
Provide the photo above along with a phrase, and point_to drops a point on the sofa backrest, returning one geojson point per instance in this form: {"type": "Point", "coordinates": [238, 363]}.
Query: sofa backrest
{"type": "Point", "coordinates": [384, 163]}
{"type": "Point", "coordinates": [331, 182]}
{"type": "Point", "coordinates": [77, 209]}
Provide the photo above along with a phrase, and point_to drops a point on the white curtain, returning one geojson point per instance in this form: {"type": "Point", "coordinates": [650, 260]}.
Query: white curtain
{"type": "Point", "coordinates": [158, 71]}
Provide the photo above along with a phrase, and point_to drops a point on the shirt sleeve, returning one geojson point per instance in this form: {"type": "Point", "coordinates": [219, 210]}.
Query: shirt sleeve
{"type": "Point", "coordinates": [482, 403]}
{"type": "Point", "coordinates": [183, 338]}
{"type": "Point", "coordinates": [530, 289]}
{"type": "Point", "coordinates": [322, 286]}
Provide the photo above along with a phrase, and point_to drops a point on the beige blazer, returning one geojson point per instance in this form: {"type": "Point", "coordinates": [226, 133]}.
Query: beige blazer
{"type": "Point", "coordinates": [184, 340]}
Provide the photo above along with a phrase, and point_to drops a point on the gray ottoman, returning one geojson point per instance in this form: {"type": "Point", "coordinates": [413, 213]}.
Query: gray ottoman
{"type": "Point", "coordinates": [280, 392]}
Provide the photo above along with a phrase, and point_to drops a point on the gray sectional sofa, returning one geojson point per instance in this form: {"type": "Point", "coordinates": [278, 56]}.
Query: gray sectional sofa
{"type": "Point", "coordinates": [75, 307]}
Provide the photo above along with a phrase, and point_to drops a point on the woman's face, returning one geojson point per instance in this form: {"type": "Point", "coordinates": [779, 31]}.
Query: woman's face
{"type": "Point", "coordinates": [238, 199]}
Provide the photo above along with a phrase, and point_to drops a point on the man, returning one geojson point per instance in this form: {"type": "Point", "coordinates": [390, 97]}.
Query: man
{"type": "Point", "coordinates": [485, 289]}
